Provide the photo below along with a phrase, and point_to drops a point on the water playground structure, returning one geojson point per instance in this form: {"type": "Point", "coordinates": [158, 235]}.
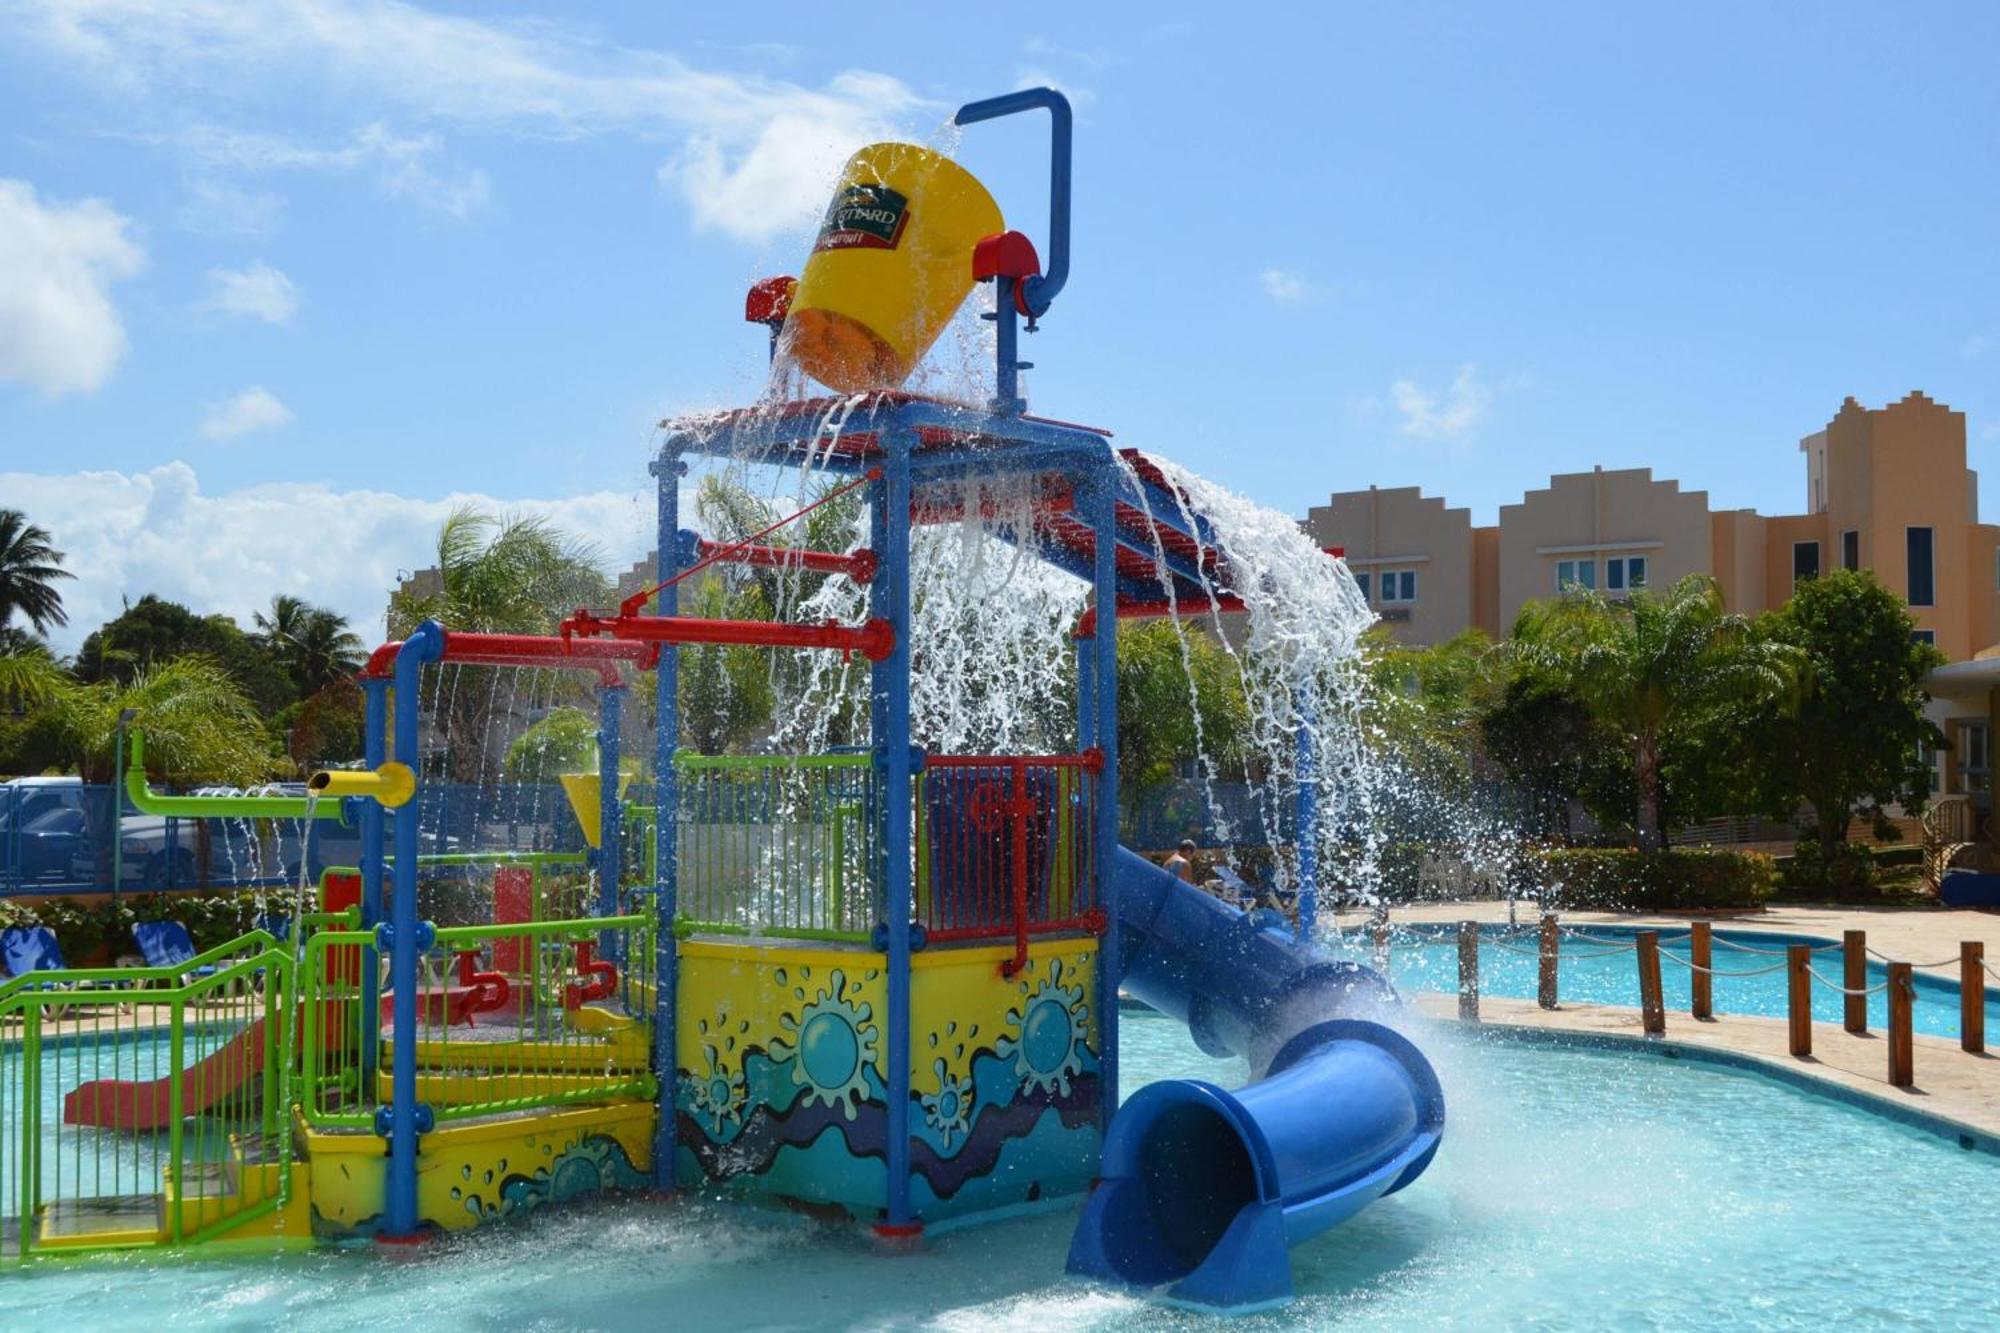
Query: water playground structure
{"type": "Point", "coordinates": [878, 982]}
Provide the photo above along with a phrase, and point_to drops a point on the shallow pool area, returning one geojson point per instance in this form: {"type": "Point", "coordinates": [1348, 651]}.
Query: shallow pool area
{"type": "Point", "coordinates": [1598, 966]}
{"type": "Point", "coordinates": [1580, 1188]}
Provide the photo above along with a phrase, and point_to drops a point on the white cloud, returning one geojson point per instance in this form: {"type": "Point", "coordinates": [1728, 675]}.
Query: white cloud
{"type": "Point", "coordinates": [755, 155]}
{"type": "Point", "coordinates": [256, 292]}
{"type": "Point", "coordinates": [1286, 286]}
{"type": "Point", "coordinates": [1979, 344]}
{"type": "Point", "coordinates": [59, 330]}
{"type": "Point", "coordinates": [405, 165]}
{"type": "Point", "coordinates": [1448, 416]}
{"type": "Point", "coordinates": [128, 535]}
{"type": "Point", "coordinates": [220, 208]}
{"type": "Point", "coordinates": [254, 409]}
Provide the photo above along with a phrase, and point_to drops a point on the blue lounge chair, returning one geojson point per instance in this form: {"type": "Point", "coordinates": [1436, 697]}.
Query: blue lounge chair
{"type": "Point", "coordinates": [168, 944]}
{"type": "Point", "coordinates": [30, 949]}
{"type": "Point", "coordinates": [26, 949]}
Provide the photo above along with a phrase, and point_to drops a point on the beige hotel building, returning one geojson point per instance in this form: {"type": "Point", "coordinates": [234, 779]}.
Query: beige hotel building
{"type": "Point", "coordinates": [1887, 489]}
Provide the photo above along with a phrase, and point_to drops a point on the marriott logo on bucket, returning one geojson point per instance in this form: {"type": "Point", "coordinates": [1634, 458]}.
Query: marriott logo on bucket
{"type": "Point", "coordinates": [869, 217]}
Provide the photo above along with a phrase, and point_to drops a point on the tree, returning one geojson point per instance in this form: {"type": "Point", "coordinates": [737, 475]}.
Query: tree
{"type": "Point", "coordinates": [506, 574]}
{"type": "Point", "coordinates": [725, 689]}
{"type": "Point", "coordinates": [153, 631]}
{"type": "Point", "coordinates": [313, 644]}
{"type": "Point", "coordinates": [1161, 694]}
{"type": "Point", "coordinates": [1654, 669]}
{"type": "Point", "coordinates": [1545, 740]}
{"type": "Point", "coordinates": [30, 567]}
{"type": "Point", "coordinates": [563, 742]}
{"type": "Point", "coordinates": [199, 724]}
{"type": "Point", "coordinates": [1851, 741]}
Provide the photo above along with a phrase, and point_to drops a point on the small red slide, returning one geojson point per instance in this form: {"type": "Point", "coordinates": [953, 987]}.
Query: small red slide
{"type": "Point", "coordinates": [116, 1103]}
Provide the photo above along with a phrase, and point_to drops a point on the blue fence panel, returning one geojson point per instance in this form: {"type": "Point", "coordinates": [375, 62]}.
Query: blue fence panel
{"type": "Point", "coordinates": [58, 837]}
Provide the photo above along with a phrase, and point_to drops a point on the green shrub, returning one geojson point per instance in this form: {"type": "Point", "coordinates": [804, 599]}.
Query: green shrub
{"type": "Point", "coordinates": [90, 931]}
{"type": "Point", "coordinates": [1620, 879]}
{"type": "Point", "coordinates": [1849, 869]}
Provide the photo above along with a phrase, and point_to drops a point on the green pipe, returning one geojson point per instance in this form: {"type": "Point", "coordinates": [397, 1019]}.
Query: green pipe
{"type": "Point", "coordinates": [261, 940]}
{"type": "Point", "coordinates": [685, 927]}
{"type": "Point", "coordinates": [214, 807]}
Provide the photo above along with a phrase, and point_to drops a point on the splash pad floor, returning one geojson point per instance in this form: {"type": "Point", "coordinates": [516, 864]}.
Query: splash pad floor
{"type": "Point", "coordinates": [1581, 1189]}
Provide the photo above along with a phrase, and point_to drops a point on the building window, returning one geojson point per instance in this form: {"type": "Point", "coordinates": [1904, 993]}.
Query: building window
{"type": "Point", "coordinates": [1923, 590]}
{"type": "Point", "coordinates": [1399, 585]}
{"type": "Point", "coordinates": [1805, 561]}
{"type": "Point", "coordinates": [1975, 756]}
{"type": "Point", "coordinates": [1850, 549]}
{"type": "Point", "coordinates": [1928, 636]}
{"type": "Point", "coordinates": [1623, 573]}
{"type": "Point", "coordinates": [1575, 574]}
{"type": "Point", "coordinates": [1365, 580]}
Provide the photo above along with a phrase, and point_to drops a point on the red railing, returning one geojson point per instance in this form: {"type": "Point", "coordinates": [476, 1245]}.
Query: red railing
{"type": "Point", "coordinates": [1007, 847]}
{"type": "Point", "coordinates": [528, 650]}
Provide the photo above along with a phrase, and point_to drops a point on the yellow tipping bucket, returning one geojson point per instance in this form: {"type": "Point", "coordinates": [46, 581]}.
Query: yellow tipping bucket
{"type": "Point", "coordinates": [585, 794]}
{"type": "Point", "coordinates": [892, 263]}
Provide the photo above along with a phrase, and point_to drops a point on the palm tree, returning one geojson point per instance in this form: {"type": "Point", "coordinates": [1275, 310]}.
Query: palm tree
{"type": "Point", "coordinates": [312, 643]}
{"type": "Point", "coordinates": [29, 568]}
{"type": "Point", "coordinates": [199, 724]}
{"type": "Point", "coordinates": [30, 676]}
{"type": "Point", "coordinates": [509, 574]}
{"type": "Point", "coordinates": [504, 574]}
{"type": "Point", "coordinates": [1651, 665]}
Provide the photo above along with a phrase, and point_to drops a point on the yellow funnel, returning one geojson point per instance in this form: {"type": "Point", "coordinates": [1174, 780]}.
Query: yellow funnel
{"type": "Point", "coordinates": [392, 784]}
{"type": "Point", "coordinates": [586, 798]}
{"type": "Point", "coordinates": [892, 264]}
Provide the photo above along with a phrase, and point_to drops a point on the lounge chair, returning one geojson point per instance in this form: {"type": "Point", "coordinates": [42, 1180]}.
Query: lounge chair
{"type": "Point", "coordinates": [168, 944]}
{"type": "Point", "coordinates": [29, 949]}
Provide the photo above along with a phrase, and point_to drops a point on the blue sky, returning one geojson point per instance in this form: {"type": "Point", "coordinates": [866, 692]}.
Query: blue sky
{"type": "Point", "coordinates": [279, 282]}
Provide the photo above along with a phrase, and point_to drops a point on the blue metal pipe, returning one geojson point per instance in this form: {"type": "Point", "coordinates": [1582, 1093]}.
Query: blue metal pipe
{"type": "Point", "coordinates": [1308, 833]}
{"type": "Point", "coordinates": [668, 470]}
{"type": "Point", "coordinates": [610, 815]}
{"type": "Point", "coordinates": [1039, 292]}
{"type": "Point", "coordinates": [425, 644]}
{"type": "Point", "coordinates": [889, 598]}
{"type": "Point", "coordinates": [1101, 511]}
{"type": "Point", "coordinates": [374, 752]}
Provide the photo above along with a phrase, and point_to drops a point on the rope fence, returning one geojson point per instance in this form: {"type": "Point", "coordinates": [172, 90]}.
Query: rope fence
{"type": "Point", "coordinates": [1795, 960]}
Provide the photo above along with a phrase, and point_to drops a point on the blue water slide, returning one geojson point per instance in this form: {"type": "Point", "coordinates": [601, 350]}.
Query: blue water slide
{"type": "Point", "coordinates": [1203, 1190]}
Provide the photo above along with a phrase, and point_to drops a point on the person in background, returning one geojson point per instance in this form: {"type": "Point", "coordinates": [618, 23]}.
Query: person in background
{"type": "Point", "coordinates": [1181, 863]}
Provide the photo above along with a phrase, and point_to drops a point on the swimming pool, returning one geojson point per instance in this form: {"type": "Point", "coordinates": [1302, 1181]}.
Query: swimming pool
{"type": "Point", "coordinates": [1598, 967]}
{"type": "Point", "coordinates": [1578, 1189]}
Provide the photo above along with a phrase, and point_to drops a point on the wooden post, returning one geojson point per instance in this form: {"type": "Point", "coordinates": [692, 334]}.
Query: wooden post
{"type": "Point", "coordinates": [1854, 977]}
{"type": "Point", "coordinates": [1701, 952]}
{"type": "Point", "coordinates": [1468, 971]}
{"type": "Point", "coordinates": [1652, 1007]}
{"type": "Point", "coordinates": [1972, 996]}
{"type": "Point", "coordinates": [1545, 991]}
{"type": "Point", "coordinates": [1798, 997]}
{"type": "Point", "coordinates": [1378, 936]}
{"type": "Point", "coordinates": [1902, 1000]}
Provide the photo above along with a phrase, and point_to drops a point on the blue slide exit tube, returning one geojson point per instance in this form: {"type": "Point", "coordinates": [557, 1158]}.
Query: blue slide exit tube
{"type": "Point", "coordinates": [1204, 1190]}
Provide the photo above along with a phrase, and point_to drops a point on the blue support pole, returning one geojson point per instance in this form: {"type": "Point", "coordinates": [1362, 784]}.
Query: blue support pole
{"type": "Point", "coordinates": [1308, 831]}
{"type": "Point", "coordinates": [407, 940]}
{"type": "Point", "coordinates": [668, 471]}
{"type": "Point", "coordinates": [1100, 496]}
{"type": "Point", "coordinates": [374, 752]}
{"type": "Point", "coordinates": [889, 598]}
{"type": "Point", "coordinates": [610, 814]}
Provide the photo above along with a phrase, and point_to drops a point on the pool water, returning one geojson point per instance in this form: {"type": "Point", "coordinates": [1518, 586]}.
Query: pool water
{"type": "Point", "coordinates": [1598, 966]}
{"type": "Point", "coordinates": [1577, 1189]}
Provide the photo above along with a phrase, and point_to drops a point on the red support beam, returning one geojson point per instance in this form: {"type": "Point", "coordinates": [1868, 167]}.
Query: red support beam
{"type": "Point", "coordinates": [858, 565]}
{"type": "Point", "coordinates": [874, 640]}
{"type": "Point", "coordinates": [527, 650]}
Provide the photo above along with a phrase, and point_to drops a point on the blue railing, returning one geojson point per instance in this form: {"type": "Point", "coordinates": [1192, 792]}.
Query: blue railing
{"type": "Point", "coordinates": [61, 837]}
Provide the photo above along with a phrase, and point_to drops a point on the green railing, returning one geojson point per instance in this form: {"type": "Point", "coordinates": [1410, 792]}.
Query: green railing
{"type": "Point", "coordinates": [777, 845]}
{"type": "Point", "coordinates": [552, 1041]}
{"type": "Point", "coordinates": [133, 1101]}
{"type": "Point", "coordinates": [546, 871]}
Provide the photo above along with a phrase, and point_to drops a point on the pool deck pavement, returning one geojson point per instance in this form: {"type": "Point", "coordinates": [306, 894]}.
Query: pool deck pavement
{"type": "Point", "coordinates": [1951, 1083]}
